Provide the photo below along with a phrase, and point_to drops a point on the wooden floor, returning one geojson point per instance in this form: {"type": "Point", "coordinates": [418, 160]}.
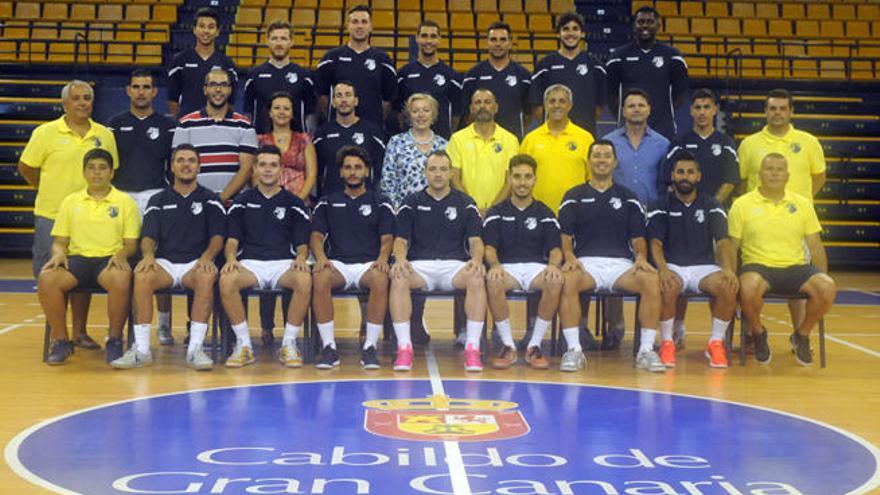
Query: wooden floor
{"type": "Point", "coordinates": [846, 394]}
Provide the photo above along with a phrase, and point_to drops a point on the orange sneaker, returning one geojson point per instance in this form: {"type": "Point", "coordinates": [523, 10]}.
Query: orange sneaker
{"type": "Point", "coordinates": [536, 358]}
{"type": "Point", "coordinates": [505, 359]}
{"type": "Point", "coordinates": [716, 354]}
{"type": "Point", "coordinates": [667, 353]}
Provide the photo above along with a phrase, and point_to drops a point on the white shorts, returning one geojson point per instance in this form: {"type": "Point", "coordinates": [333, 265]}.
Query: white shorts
{"type": "Point", "coordinates": [176, 270]}
{"type": "Point", "coordinates": [524, 273]}
{"type": "Point", "coordinates": [691, 275]}
{"type": "Point", "coordinates": [605, 271]}
{"type": "Point", "coordinates": [437, 274]}
{"type": "Point", "coordinates": [267, 271]}
{"type": "Point", "coordinates": [141, 198]}
{"type": "Point", "coordinates": [351, 272]}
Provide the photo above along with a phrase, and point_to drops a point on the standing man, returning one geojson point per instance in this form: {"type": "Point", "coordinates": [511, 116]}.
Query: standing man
{"type": "Point", "coordinates": [188, 68]}
{"type": "Point", "coordinates": [182, 235]}
{"type": "Point", "coordinates": [687, 229]}
{"type": "Point", "coordinates": [279, 74]}
{"type": "Point", "coordinates": [559, 147]}
{"type": "Point", "coordinates": [225, 140]}
{"type": "Point", "coordinates": [523, 252]}
{"type": "Point", "coordinates": [654, 67]}
{"type": "Point", "coordinates": [772, 225]}
{"type": "Point", "coordinates": [369, 68]}
{"type": "Point", "coordinates": [430, 75]}
{"type": "Point", "coordinates": [604, 248]}
{"type": "Point", "coordinates": [52, 163]}
{"type": "Point", "coordinates": [266, 224]}
{"type": "Point", "coordinates": [352, 233]}
{"type": "Point", "coordinates": [438, 246]}
{"type": "Point", "coordinates": [509, 81]}
{"type": "Point", "coordinates": [480, 153]}
{"type": "Point", "coordinates": [345, 129]}
{"type": "Point", "coordinates": [575, 68]}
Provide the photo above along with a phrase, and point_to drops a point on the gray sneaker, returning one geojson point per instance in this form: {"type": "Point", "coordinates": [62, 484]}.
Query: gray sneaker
{"type": "Point", "coordinates": [649, 360]}
{"type": "Point", "coordinates": [198, 360]}
{"type": "Point", "coordinates": [133, 358]}
{"type": "Point", "coordinates": [165, 336]}
{"type": "Point", "coordinates": [573, 361]}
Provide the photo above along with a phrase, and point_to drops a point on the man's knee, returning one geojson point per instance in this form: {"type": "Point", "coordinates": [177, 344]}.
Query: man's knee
{"type": "Point", "coordinates": [752, 285]}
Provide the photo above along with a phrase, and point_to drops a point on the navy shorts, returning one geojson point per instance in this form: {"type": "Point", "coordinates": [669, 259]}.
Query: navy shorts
{"type": "Point", "coordinates": [786, 280]}
{"type": "Point", "coordinates": [86, 270]}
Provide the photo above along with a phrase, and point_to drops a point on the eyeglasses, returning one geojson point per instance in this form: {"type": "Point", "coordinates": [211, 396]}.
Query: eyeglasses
{"type": "Point", "coordinates": [213, 85]}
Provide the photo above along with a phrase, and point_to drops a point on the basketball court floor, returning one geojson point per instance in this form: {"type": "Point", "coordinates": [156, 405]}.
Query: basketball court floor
{"type": "Point", "coordinates": [753, 430]}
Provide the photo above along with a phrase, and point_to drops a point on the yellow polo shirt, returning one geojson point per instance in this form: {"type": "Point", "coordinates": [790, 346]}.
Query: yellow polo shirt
{"type": "Point", "coordinates": [772, 234]}
{"type": "Point", "coordinates": [58, 153]}
{"type": "Point", "coordinates": [96, 227]}
{"type": "Point", "coordinates": [482, 163]}
{"type": "Point", "coordinates": [562, 161]}
{"type": "Point", "coordinates": [801, 150]}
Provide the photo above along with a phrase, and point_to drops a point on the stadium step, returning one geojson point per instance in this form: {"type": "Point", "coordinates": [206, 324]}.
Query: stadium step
{"type": "Point", "coordinates": [17, 196]}
{"type": "Point", "coordinates": [16, 241]}
{"type": "Point", "coordinates": [846, 190]}
{"type": "Point", "coordinates": [844, 231]}
{"type": "Point", "coordinates": [9, 175]}
{"type": "Point", "coordinates": [17, 130]}
{"type": "Point", "coordinates": [30, 108]}
{"type": "Point", "coordinates": [855, 168]}
{"type": "Point", "coordinates": [31, 88]}
{"type": "Point", "coordinates": [803, 105]}
{"type": "Point", "coordinates": [16, 216]}
{"type": "Point", "coordinates": [817, 124]}
{"type": "Point", "coordinates": [857, 210]}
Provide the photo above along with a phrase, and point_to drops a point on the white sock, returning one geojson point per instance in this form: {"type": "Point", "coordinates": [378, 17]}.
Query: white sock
{"type": "Point", "coordinates": [541, 326]}
{"type": "Point", "coordinates": [242, 334]}
{"type": "Point", "coordinates": [647, 340]}
{"type": "Point", "coordinates": [197, 332]}
{"type": "Point", "coordinates": [326, 331]}
{"type": "Point", "coordinates": [291, 332]}
{"type": "Point", "coordinates": [678, 327]}
{"type": "Point", "coordinates": [666, 329]}
{"type": "Point", "coordinates": [573, 339]}
{"type": "Point", "coordinates": [372, 337]}
{"type": "Point", "coordinates": [142, 338]}
{"type": "Point", "coordinates": [474, 332]}
{"type": "Point", "coordinates": [503, 329]}
{"type": "Point", "coordinates": [164, 319]}
{"type": "Point", "coordinates": [401, 330]}
{"type": "Point", "coordinates": [719, 329]}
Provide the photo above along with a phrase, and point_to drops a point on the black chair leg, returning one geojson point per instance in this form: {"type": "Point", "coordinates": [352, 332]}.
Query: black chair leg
{"type": "Point", "coordinates": [822, 342]}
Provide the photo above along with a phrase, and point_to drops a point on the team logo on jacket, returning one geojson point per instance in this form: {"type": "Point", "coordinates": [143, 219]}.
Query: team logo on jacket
{"type": "Point", "coordinates": [700, 216]}
{"type": "Point", "coordinates": [791, 208]}
{"type": "Point", "coordinates": [196, 207]}
{"type": "Point", "coordinates": [657, 61]}
{"type": "Point", "coordinates": [451, 213]}
{"type": "Point", "coordinates": [498, 147]}
{"type": "Point", "coordinates": [113, 211]}
{"type": "Point", "coordinates": [531, 223]}
{"type": "Point", "coordinates": [153, 133]}
{"type": "Point", "coordinates": [572, 146]}
{"type": "Point", "coordinates": [716, 149]}
{"type": "Point", "coordinates": [582, 69]}
{"type": "Point", "coordinates": [370, 64]}
{"type": "Point", "coordinates": [510, 80]}
{"type": "Point", "coordinates": [358, 138]}
{"type": "Point", "coordinates": [365, 210]}
{"type": "Point", "coordinates": [615, 203]}
{"type": "Point", "coordinates": [279, 212]}
{"type": "Point", "coordinates": [291, 77]}
{"type": "Point", "coordinates": [439, 79]}
{"type": "Point", "coordinates": [795, 148]}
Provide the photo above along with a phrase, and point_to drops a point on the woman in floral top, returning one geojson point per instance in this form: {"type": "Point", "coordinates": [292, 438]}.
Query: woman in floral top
{"type": "Point", "coordinates": [403, 171]}
{"type": "Point", "coordinates": [299, 161]}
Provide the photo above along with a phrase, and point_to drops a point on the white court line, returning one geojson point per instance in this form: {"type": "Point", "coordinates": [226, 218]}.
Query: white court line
{"type": "Point", "coordinates": [460, 485]}
{"type": "Point", "coordinates": [14, 327]}
{"type": "Point", "coordinates": [854, 346]}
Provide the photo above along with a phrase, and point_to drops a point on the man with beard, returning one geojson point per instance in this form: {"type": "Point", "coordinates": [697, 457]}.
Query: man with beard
{"type": "Point", "coordinates": [346, 128]}
{"type": "Point", "coordinates": [428, 74]}
{"type": "Point", "coordinates": [225, 140]}
{"type": "Point", "coordinates": [352, 233]}
{"type": "Point", "coordinates": [654, 67]}
{"type": "Point", "coordinates": [523, 252]}
{"type": "Point", "coordinates": [575, 68]}
{"type": "Point", "coordinates": [369, 68]}
{"type": "Point", "coordinates": [509, 81]}
{"type": "Point", "coordinates": [279, 74]}
{"type": "Point", "coordinates": [182, 233]}
{"type": "Point", "coordinates": [687, 228]}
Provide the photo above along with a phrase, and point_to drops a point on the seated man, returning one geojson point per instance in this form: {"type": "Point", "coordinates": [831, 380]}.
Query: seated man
{"type": "Point", "coordinates": [603, 226]}
{"type": "Point", "coordinates": [433, 228]}
{"type": "Point", "coordinates": [771, 225]}
{"type": "Point", "coordinates": [183, 231]}
{"type": "Point", "coordinates": [266, 224]}
{"type": "Point", "coordinates": [522, 250]}
{"type": "Point", "coordinates": [95, 233]}
{"type": "Point", "coordinates": [683, 226]}
{"type": "Point", "coordinates": [357, 227]}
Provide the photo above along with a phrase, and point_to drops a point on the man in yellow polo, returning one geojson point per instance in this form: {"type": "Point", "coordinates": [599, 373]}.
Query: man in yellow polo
{"type": "Point", "coordinates": [481, 152]}
{"type": "Point", "coordinates": [95, 232]}
{"type": "Point", "coordinates": [771, 225]}
{"type": "Point", "coordinates": [560, 148]}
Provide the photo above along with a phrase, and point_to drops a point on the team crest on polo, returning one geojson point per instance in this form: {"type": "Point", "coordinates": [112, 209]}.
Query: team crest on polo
{"type": "Point", "coordinates": [791, 208]}
{"type": "Point", "coordinates": [113, 211]}
{"type": "Point", "coordinates": [657, 61]}
{"type": "Point", "coordinates": [572, 146]}
{"type": "Point", "coordinates": [531, 223]}
{"type": "Point", "coordinates": [498, 147]}
{"type": "Point", "coordinates": [291, 77]}
{"type": "Point", "coordinates": [370, 64]}
{"type": "Point", "coordinates": [510, 80]}
{"type": "Point", "coordinates": [795, 148]}
{"type": "Point", "coordinates": [153, 133]}
{"type": "Point", "coordinates": [451, 213]}
{"type": "Point", "coordinates": [441, 418]}
{"type": "Point", "coordinates": [439, 79]}
{"type": "Point", "coordinates": [358, 137]}
{"type": "Point", "coordinates": [700, 216]}
{"type": "Point", "coordinates": [279, 212]}
{"type": "Point", "coordinates": [582, 69]}
{"type": "Point", "coordinates": [615, 203]}
{"type": "Point", "coordinates": [365, 210]}
{"type": "Point", "coordinates": [196, 207]}
{"type": "Point", "coordinates": [716, 149]}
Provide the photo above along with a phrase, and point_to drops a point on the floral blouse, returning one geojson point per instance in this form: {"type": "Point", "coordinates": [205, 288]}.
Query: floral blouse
{"type": "Point", "coordinates": [293, 160]}
{"type": "Point", "coordinates": [403, 171]}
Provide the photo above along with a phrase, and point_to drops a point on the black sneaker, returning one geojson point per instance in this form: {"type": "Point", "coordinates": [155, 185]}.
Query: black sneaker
{"type": "Point", "coordinates": [60, 352]}
{"type": "Point", "coordinates": [268, 338]}
{"type": "Point", "coordinates": [329, 359]}
{"type": "Point", "coordinates": [113, 349]}
{"type": "Point", "coordinates": [370, 359]}
{"type": "Point", "coordinates": [762, 349]}
{"type": "Point", "coordinates": [85, 342]}
{"type": "Point", "coordinates": [611, 342]}
{"type": "Point", "coordinates": [800, 346]}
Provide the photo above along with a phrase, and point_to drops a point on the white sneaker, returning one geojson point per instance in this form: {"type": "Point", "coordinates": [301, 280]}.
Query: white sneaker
{"type": "Point", "coordinates": [241, 356]}
{"type": "Point", "coordinates": [133, 359]}
{"type": "Point", "coordinates": [289, 356]}
{"type": "Point", "coordinates": [572, 361]}
{"type": "Point", "coordinates": [198, 360]}
{"type": "Point", "coordinates": [649, 360]}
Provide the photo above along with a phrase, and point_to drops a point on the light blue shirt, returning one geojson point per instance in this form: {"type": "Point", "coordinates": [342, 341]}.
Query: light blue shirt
{"type": "Point", "coordinates": [637, 169]}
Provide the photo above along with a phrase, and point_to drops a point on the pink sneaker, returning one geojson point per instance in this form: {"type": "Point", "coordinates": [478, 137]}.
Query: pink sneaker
{"type": "Point", "coordinates": [404, 359]}
{"type": "Point", "coordinates": [472, 361]}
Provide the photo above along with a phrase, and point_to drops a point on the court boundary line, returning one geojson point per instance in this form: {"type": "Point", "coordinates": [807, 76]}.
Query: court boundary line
{"type": "Point", "coordinates": [12, 460]}
{"type": "Point", "coordinates": [457, 472]}
{"type": "Point", "coordinates": [852, 345]}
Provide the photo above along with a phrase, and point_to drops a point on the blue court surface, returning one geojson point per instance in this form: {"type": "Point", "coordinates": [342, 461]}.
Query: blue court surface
{"type": "Point", "coordinates": [449, 437]}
